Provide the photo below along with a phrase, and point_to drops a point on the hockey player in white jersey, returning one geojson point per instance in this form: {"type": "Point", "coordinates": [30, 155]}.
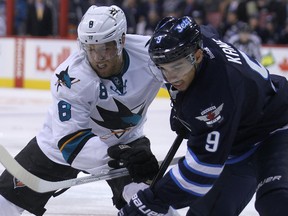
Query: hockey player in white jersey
{"type": "Point", "coordinates": [100, 99]}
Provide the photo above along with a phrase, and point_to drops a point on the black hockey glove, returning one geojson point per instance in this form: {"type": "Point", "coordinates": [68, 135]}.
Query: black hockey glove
{"type": "Point", "coordinates": [144, 203]}
{"type": "Point", "coordinates": [136, 157]}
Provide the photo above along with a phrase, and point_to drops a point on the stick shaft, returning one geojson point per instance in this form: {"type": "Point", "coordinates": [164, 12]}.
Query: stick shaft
{"type": "Point", "coordinates": [42, 186]}
{"type": "Point", "coordinates": [166, 162]}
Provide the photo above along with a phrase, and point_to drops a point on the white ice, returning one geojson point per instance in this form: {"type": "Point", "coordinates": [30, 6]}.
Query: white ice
{"type": "Point", "coordinates": [22, 113]}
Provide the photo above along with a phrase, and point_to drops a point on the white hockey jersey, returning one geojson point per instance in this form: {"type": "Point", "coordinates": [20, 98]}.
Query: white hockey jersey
{"type": "Point", "coordinates": [89, 113]}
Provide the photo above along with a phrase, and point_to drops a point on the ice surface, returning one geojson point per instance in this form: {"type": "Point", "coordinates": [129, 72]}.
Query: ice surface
{"type": "Point", "coordinates": [22, 113]}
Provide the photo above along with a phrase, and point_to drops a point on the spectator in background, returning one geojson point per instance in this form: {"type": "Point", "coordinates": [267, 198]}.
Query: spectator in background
{"type": "Point", "coordinates": [213, 13]}
{"type": "Point", "coordinates": [253, 22]}
{"type": "Point", "coordinates": [39, 19]}
{"type": "Point", "coordinates": [283, 38]}
{"type": "Point", "coordinates": [149, 13]}
{"type": "Point", "coordinates": [155, 5]}
{"type": "Point", "coordinates": [198, 17]}
{"type": "Point", "coordinates": [279, 10]}
{"type": "Point", "coordinates": [20, 17]}
{"type": "Point", "coordinates": [171, 8]}
{"type": "Point", "coordinates": [247, 42]}
{"type": "Point", "coordinates": [77, 8]}
{"type": "Point", "coordinates": [151, 22]}
{"type": "Point", "coordinates": [2, 19]}
{"type": "Point", "coordinates": [245, 9]}
{"type": "Point", "coordinates": [232, 24]}
{"type": "Point", "coordinates": [268, 33]}
{"type": "Point", "coordinates": [131, 12]}
{"type": "Point", "coordinates": [189, 6]}
{"type": "Point", "coordinates": [75, 14]}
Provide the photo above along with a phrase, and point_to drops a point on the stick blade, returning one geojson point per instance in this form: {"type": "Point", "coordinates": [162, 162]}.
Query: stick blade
{"type": "Point", "coordinates": [41, 185]}
{"type": "Point", "coordinates": [15, 169]}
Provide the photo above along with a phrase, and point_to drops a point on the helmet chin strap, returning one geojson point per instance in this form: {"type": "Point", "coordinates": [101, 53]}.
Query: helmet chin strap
{"type": "Point", "coordinates": [200, 59]}
{"type": "Point", "coordinates": [197, 66]}
{"type": "Point", "coordinates": [120, 44]}
{"type": "Point", "coordinates": [120, 49]}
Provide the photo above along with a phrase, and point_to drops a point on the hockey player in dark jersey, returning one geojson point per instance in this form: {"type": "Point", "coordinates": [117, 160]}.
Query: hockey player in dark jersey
{"type": "Point", "coordinates": [234, 115]}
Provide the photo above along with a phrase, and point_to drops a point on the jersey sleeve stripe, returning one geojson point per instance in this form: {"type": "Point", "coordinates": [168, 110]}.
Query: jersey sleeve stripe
{"type": "Point", "coordinates": [193, 163]}
{"type": "Point", "coordinates": [79, 147]}
{"type": "Point", "coordinates": [63, 145]}
{"type": "Point", "coordinates": [198, 172]}
{"type": "Point", "coordinates": [187, 185]}
{"type": "Point", "coordinates": [72, 144]}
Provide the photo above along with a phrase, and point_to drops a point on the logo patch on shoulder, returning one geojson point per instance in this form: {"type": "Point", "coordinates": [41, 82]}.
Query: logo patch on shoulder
{"type": "Point", "coordinates": [211, 115]}
{"type": "Point", "coordinates": [65, 79]}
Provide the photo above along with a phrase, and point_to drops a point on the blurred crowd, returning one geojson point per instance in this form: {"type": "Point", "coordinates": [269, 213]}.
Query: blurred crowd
{"type": "Point", "coordinates": [265, 21]}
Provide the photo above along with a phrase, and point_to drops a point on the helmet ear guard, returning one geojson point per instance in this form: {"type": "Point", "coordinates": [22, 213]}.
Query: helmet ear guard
{"type": "Point", "coordinates": [175, 38]}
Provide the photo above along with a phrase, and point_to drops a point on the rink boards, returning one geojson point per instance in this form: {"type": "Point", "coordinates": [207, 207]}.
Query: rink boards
{"type": "Point", "coordinates": [27, 62]}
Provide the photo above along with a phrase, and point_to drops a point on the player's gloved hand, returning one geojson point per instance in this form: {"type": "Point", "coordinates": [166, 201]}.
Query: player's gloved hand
{"type": "Point", "coordinates": [136, 157]}
{"type": "Point", "coordinates": [144, 203]}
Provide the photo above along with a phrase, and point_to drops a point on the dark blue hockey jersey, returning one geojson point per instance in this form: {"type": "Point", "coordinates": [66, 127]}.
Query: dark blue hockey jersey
{"type": "Point", "coordinates": [231, 106]}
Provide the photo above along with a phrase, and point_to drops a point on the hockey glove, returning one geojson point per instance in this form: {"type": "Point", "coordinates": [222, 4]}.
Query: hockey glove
{"type": "Point", "coordinates": [136, 157]}
{"type": "Point", "coordinates": [144, 203]}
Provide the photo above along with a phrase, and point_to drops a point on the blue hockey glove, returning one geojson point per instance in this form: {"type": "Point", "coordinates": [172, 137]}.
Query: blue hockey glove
{"type": "Point", "coordinates": [144, 203]}
{"type": "Point", "coordinates": [136, 157]}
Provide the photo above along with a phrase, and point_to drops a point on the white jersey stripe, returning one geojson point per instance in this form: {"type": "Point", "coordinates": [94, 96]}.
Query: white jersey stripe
{"type": "Point", "coordinates": [186, 185]}
{"type": "Point", "coordinates": [193, 164]}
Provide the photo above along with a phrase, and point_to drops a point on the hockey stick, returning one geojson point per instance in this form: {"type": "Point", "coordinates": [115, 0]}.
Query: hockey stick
{"type": "Point", "coordinates": [42, 186]}
{"type": "Point", "coordinates": [168, 160]}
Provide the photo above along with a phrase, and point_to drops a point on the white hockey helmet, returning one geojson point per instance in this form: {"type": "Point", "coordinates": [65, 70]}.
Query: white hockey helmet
{"type": "Point", "coordinates": [103, 24]}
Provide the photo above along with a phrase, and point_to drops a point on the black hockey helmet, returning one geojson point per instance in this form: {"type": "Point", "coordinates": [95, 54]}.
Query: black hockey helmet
{"type": "Point", "coordinates": [173, 39]}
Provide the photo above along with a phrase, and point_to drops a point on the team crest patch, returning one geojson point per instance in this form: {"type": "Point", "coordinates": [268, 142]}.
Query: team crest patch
{"type": "Point", "coordinates": [17, 183]}
{"type": "Point", "coordinates": [211, 115]}
{"type": "Point", "coordinates": [65, 80]}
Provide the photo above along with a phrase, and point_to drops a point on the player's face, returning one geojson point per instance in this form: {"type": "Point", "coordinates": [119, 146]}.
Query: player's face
{"type": "Point", "coordinates": [179, 73]}
{"type": "Point", "coordinates": [104, 58]}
